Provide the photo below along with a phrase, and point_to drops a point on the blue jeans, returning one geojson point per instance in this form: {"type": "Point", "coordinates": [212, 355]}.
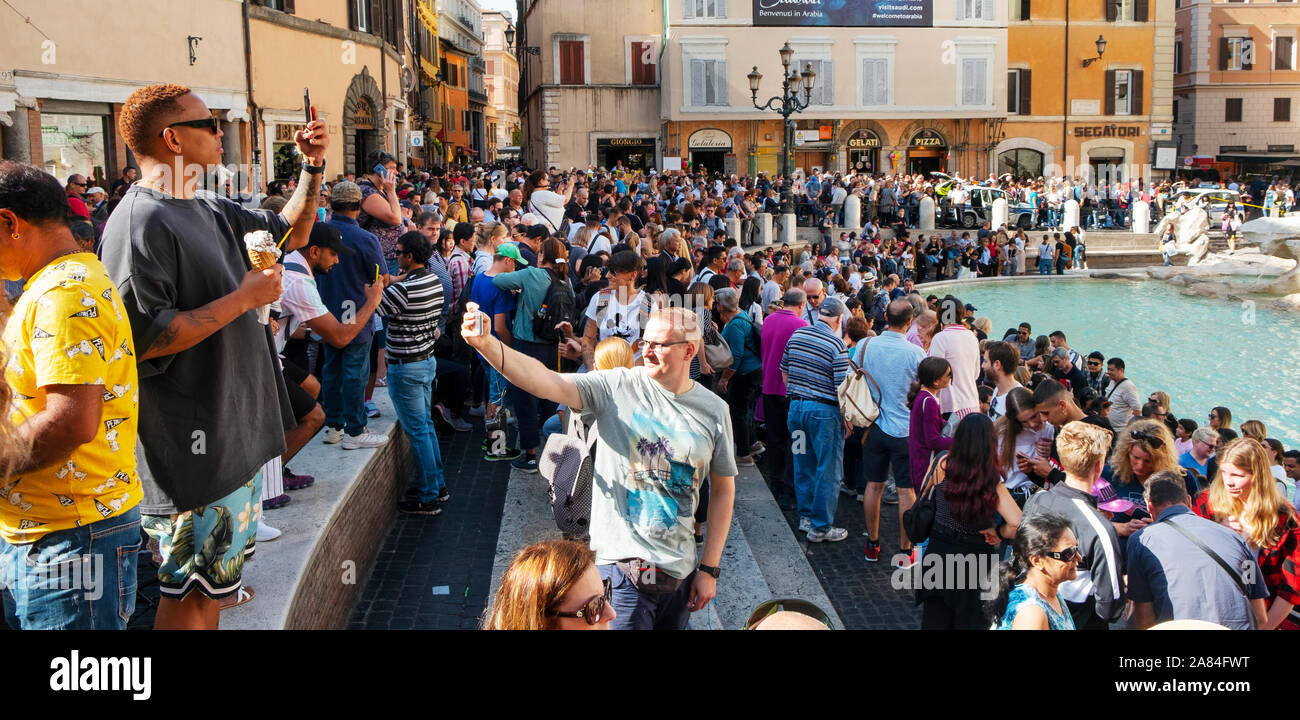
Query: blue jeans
{"type": "Point", "coordinates": [76, 579]}
{"type": "Point", "coordinates": [642, 611]}
{"type": "Point", "coordinates": [497, 385]}
{"type": "Point", "coordinates": [818, 469]}
{"type": "Point", "coordinates": [1045, 266]}
{"type": "Point", "coordinates": [343, 386]}
{"type": "Point", "coordinates": [410, 387]}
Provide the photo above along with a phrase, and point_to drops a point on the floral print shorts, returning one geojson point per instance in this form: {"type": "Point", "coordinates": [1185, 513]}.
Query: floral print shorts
{"type": "Point", "coordinates": [205, 548]}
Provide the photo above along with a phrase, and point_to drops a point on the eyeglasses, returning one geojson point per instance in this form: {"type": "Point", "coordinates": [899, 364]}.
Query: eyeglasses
{"type": "Point", "coordinates": [814, 297]}
{"type": "Point", "coordinates": [211, 123]}
{"type": "Point", "coordinates": [1069, 554]}
{"type": "Point", "coordinates": [595, 607]}
{"type": "Point", "coordinates": [772, 607]}
{"type": "Point", "coordinates": [1211, 447]}
{"type": "Point", "coordinates": [658, 346]}
{"type": "Point", "coordinates": [1155, 440]}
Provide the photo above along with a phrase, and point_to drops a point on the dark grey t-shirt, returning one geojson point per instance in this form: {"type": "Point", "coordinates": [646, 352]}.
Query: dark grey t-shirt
{"type": "Point", "coordinates": [214, 414]}
{"type": "Point", "coordinates": [1182, 582]}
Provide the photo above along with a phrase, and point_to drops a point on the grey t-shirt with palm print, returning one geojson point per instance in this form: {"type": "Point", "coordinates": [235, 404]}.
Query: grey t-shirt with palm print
{"type": "Point", "coordinates": [653, 452]}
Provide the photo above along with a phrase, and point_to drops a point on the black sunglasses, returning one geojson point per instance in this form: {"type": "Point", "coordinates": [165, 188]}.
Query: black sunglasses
{"type": "Point", "coordinates": [595, 607]}
{"type": "Point", "coordinates": [211, 124]}
{"type": "Point", "coordinates": [1155, 440]}
{"type": "Point", "coordinates": [1067, 555]}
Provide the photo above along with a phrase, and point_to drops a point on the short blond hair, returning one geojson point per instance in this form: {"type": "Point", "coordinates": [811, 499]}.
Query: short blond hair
{"type": "Point", "coordinates": [683, 320]}
{"type": "Point", "coordinates": [1082, 447]}
{"type": "Point", "coordinates": [613, 352]}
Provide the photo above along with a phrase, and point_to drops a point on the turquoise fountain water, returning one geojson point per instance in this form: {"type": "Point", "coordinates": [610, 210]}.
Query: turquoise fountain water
{"type": "Point", "coordinates": [1203, 352]}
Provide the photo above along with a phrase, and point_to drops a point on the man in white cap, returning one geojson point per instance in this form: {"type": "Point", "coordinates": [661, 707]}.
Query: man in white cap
{"type": "Point", "coordinates": [97, 203]}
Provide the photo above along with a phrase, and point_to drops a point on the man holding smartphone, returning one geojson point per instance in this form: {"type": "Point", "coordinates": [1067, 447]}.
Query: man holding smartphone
{"type": "Point", "coordinates": [214, 404]}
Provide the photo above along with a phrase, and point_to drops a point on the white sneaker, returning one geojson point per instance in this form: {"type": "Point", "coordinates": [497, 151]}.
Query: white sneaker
{"type": "Point", "coordinates": [266, 533]}
{"type": "Point", "coordinates": [333, 436]}
{"type": "Point", "coordinates": [364, 440]}
{"type": "Point", "coordinates": [805, 525]}
{"type": "Point", "coordinates": [833, 534]}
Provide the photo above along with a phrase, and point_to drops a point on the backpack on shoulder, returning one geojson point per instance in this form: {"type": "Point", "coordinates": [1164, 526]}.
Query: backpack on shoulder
{"type": "Point", "coordinates": [569, 466]}
{"type": "Point", "coordinates": [559, 306]}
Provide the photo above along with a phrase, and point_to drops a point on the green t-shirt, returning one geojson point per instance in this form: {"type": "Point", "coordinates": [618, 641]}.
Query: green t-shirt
{"type": "Point", "coordinates": [654, 450]}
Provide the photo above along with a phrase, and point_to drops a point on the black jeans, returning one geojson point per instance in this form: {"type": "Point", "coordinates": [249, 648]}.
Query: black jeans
{"type": "Point", "coordinates": [740, 398]}
{"type": "Point", "coordinates": [453, 385]}
{"type": "Point", "coordinates": [775, 410]}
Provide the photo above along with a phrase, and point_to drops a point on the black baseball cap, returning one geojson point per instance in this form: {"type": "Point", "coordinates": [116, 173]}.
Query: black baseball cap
{"type": "Point", "coordinates": [326, 236]}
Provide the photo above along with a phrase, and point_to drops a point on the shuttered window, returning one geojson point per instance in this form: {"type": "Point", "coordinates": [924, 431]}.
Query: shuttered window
{"type": "Point", "coordinates": [974, 81]}
{"type": "Point", "coordinates": [693, 9]}
{"type": "Point", "coordinates": [875, 81]}
{"type": "Point", "coordinates": [1232, 110]}
{"type": "Point", "coordinates": [709, 83]}
{"type": "Point", "coordinates": [572, 63]}
{"type": "Point", "coordinates": [1018, 92]}
{"type": "Point", "coordinates": [1283, 49]}
{"type": "Point", "coordinates": [823, 92]}
{"type": "Point", "coordinates": [643, 63]}
{"type": "Point", "coordinates": [976, 10]}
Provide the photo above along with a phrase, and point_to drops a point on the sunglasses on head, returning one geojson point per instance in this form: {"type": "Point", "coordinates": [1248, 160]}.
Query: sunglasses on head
{"type": "Point", "coordinates": [595, 607]}
{"type": "Point", "coordinates": [1155, 440]}
{"type": "Point", "coordinates": [772, 607]}
{"type": "Point", "coordinates": [210, 123]}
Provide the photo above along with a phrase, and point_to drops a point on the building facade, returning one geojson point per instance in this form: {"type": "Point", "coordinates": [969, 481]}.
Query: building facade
{"type": "Point", "coordinates": [1102, 120]}
{"type": "Point", "coordinates": [916, 91]}
{"type": "Point", "coordinates": [460, 30]}
{"type": "Point", "coordinates": [501, 85]}
{"type": "Point", "coordinates": [1235, 84]}
{"type": "Point", "coordinates": [426, 98]}
{"type": "Point", "coordinates": [348, 54]}
{"type": "Point", "coordinates": [455, 139]}
{"type": "Point", "coordinates": [62, 86]}
{"type": "Point", "coordinates": [589, 80]}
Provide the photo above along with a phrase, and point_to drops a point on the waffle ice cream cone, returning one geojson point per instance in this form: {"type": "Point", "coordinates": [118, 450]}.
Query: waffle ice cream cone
{"type": "Point", "coordinates": [262, 260]}
{"type": "Point", "coordinates": [263, 254]}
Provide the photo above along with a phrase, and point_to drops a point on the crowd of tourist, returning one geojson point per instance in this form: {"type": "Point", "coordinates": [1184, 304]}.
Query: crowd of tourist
{"type": "Point", "coordinates": [523, 297]}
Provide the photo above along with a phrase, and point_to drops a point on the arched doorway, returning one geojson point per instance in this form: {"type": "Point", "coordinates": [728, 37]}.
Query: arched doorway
{"type": "Point", "coordinates": [709, 149]}
{"type": "Point", "coordinates": [863, 149]}
{"type": "Point", "coordinates": [363, 121]}
{"type": "Point", "coordinates": [927, 152]}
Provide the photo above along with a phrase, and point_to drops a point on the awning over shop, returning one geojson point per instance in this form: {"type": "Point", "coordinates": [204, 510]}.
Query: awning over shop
{"type": "Point", "coordinates": [1260, 158]}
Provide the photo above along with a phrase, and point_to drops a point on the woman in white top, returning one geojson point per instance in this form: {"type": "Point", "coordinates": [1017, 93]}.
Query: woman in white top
{"type": "Point", "coordinates": [479, 194]}
{"type": "Point", "coordinates": [617, 311]}
{"type": "Point", "coordinates": [957, 344]}
{"type": "Point", "coordinates": [1019, 432]}
{"type": "Point", "coordinates": [548, 205]}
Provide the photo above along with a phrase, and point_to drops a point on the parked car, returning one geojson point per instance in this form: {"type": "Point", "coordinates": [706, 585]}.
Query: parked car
{"type": "Point", "coordinates": [980, 210]}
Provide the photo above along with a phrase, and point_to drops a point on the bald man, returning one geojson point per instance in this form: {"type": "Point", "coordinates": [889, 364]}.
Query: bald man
{"type": "Point", "coordinates": [816, 292]}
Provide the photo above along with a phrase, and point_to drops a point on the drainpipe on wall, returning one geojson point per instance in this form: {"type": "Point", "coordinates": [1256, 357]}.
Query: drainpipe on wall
{"type": "Point", "coordinates": [255, 179]}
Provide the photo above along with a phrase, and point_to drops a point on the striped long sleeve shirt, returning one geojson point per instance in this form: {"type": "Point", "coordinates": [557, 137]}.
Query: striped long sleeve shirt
{"type": "Point", "coordinates": [815, 361]}
{"type": "Point", "coordinates": [412, 308]}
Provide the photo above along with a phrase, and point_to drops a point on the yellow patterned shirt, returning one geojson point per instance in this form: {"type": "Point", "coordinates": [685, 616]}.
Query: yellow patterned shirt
{"type": "Point", "coordinates": [70, 328]}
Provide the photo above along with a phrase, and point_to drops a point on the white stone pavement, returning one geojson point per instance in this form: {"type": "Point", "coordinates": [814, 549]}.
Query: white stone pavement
{"type": "Point", "coordinates": [762, 559]}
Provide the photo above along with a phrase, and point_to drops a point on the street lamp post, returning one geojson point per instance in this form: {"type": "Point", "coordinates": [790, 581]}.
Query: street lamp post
{"type": "Point", "coordinates": [786, 104]}
{"type": "Point", "coordinates": [521, 52]}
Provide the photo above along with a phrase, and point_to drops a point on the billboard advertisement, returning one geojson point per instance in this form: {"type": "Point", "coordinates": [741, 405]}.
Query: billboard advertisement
{"type": "Point", "coordinates": [844, 13]}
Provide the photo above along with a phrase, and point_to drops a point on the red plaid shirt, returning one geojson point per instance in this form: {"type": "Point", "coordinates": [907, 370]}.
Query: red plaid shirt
{"type": "Point", "coordinates": [458, 266]}
{"type": "Point", "coordinates": [1279, 563]}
